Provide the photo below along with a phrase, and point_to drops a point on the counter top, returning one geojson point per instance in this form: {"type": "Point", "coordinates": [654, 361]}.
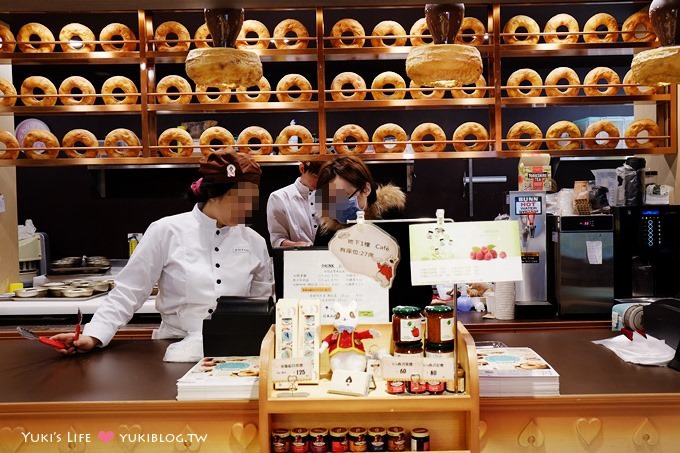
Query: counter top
{"type": "Point", "coordinates": [60, 307]}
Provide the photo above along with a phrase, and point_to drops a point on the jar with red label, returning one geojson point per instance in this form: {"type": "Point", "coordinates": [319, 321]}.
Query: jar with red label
{"type": "Point", "coordinates": [420, 439]}
{"type": "Point", "coordinates": [318, 440]}
{"type": "Point", "coordinates": [377, 437]}
{"type": "Point", "coordinates": [339, 440]}
{"type": "Point", "coordinates": [439, 350]}
{"type": "Point", "coordinates": [299, 440]}
{"type": "Point", "coordinates": [408, 350]}
{"type": "Point", "coordinates": [439, 323]}
{"type": "Point", "coordinates": [407, 324]}
{"type": "Point", "coordinates": [396, 438]}
{"type": "Point", "coordinates": [280, 440]}
{"type": "Point", "coordinates": [357, 439]}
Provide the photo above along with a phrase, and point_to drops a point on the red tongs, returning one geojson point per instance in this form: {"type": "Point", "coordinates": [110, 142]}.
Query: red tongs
{"type": "Point", "coordinates": [47, 340]}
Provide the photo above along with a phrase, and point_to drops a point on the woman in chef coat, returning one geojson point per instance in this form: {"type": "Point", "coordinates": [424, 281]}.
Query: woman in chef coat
{"type": "Point", "coordinates": [195, 257]}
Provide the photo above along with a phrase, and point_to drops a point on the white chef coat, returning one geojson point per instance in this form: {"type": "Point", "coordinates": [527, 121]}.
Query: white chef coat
{"type": "Point", "coordinates": [291, 214]}
{"type": "Point", "coordinates": [194, 263]}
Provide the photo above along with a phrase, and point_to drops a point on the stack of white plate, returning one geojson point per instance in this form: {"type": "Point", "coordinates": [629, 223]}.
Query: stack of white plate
{"type": "Point", "coordinates": [505, 300]}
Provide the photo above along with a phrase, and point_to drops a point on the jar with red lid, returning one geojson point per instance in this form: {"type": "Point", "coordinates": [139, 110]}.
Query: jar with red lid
{"type": "Point", "coordinates": [357, 439]}
{"type": "Point", "coordinates": [299, 440]}
{"type": "Point", "coordinates": [420, 439]}
{"type": "Point", "coordinates": [441, 350]}
{"type": "Point", "coordinates": [377, 436]}
{"type": "Point", "coordinates": [440, 319]}
{"type": "Point", "coordinates": [396, 438]}
{"type": "Point", "coordinates": [407, 324]}
{"type": "Point", "coordinates": [280, 440]}
{"type": "Point", "coordinates": [338, 437]}
{"type": "Point", "coordinates": [318, 440]}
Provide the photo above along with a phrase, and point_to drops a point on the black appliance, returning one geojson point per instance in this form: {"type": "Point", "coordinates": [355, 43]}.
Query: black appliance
{"type": "Point", "coordinates": [662, 320]}
{"type": "Point", "coordinates": [647, 251]}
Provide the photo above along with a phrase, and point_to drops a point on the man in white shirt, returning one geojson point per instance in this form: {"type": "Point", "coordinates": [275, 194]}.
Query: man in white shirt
{"type": "Point", "coordinates": [291, 214]}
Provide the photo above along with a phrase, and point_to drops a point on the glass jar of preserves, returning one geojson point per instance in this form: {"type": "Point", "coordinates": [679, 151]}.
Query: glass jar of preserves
{"type": "Point", "coordinates": [440, 321]}
{"type": "Point", "coordinates": [318, 442]}
{"type": "Point", "coordinates": [420, 439]}
{"type": "Point", "coordinates": [407, 323]}
{"type": "Point", "coordinates": [413, 349]}
{"type": "Point", "coordinates": [299, 440]}
{"type": "Point", "coordinates": [442, 350]}
{"type": "Point", "coordinates": [357, 439]}
{"type": "Point", "coordinates": [396, 439]}
{"type": "Point", "coordinates": [280, 440]}
{"type": "Point", "coordinates": [338, 439]}
{"type": "Point", "coordinates": [376, 438]}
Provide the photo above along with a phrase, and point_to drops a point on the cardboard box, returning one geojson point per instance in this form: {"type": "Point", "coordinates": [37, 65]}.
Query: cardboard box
{"type": "Point", "coordinates": [534, 173]}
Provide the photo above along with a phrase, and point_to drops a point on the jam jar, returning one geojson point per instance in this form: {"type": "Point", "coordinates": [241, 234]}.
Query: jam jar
{"type": "Point", "coordinates": [280, 440]}
{"type": "Point", "coordinates": [299, 440]}
{"type": "Point", "coordinates": [420, 439]}
{"type": "Point", "coordinates": [411, 349]}
{"type": "Point", "coordinates": [444, 350]}
{"type": "Point", "coordinates": [439, 323]}
{"type": "Point", "coordinates": [407, 324]}
{"type": "Point", "coordinates": [339, 440]}
{"type": "Point", "coordinates": [357, 439]}
{"type": "Point", "coordinates": [318, 440]}
{"type": "Point", "coordinates": [376, 439]}
{"type": "Point", "coordinates": [396, 438]}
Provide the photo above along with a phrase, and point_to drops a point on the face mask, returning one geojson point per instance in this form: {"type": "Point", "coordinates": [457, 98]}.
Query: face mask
{"type": "Point", "coordinates": [346, 210]}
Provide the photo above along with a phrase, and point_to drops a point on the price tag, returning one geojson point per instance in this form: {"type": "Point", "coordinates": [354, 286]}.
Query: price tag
{"type": "Point", "coordinates": [295, 369]}
{"type": "Point", "coordinates": [401, 368]}
{"type": "Point", "coordinates": [438, 368]}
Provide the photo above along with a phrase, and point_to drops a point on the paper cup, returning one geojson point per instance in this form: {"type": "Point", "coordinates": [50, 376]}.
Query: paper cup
{"type": "Point", "coordinates": [505, 300]}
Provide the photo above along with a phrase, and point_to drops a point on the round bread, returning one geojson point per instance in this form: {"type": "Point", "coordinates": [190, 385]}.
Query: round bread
{"type": "Point", "coordinates": [244, 41]}
{"type": "Point", "coordinates": [11, 149]}
{"type": "Point", "coordinates": [440, 61]}
{"type": "Point", "coordinates": [202, 37]}
{"type": "Point", "coordinates": [85, 94]}
{"type": "Point", "coordinates": [517, 22]}
{"type": "Point", "coordinates": [348, 78]}
{"type": "Point", "coordinates": [388, 30]}
{"type": "Point", "coordinates": [284, 93]}
{"type": "Point", "coordinates": [51, 149]}
{"type": "Point", "coordinates": [562, 73]}
{"type": "Point", "coordinates": [126, 43]}
{"type": "Point", "coordinates": [215, 133]}
{"type": "Point", "coordinates": [182, 95]}
{"type": "Point", "coordinates": [76, 38]}
{"type": "Point", "coordinates": [48, 97]}
{"type": "Point", "coordinates": [592, 32]}
{"type": "Point", "coordinates": [635, 89]}
{"type": "Point", "coordinates": [7, 40]}
{"type": "Point", "coordinates": [559, 130]}
{"type": "Point", "coordinates": [222, 96]}
{"type": "Point", "coordinates": [466, 91]}
{"type": "Point", "coordinates": [177, 43]}
{"type": "Point", "coordinates": [283, 32]}
{"type": "Point", "coordinates": [359, 135]}
{"type": "Point", "coordinates": [471, 32]}
{"type": "Point", "coordinates": [303, 135]}
{"type": "Point", "coordinates": [638, 28]}
{"type": "Point", "coordinates": [113, 140]}
{"type": "Point", "coordinates": [388, 86]}
{"type": "Point", "coordinates": [601, 73]}
{"type": "Point", "coordinates": [432, 130]}
{"type": "Point", "coordinates": [83, 137]}
{"type": "Point", "coordinates": [419, 33]}
{"type": "Point", "coordinates": [524, 75]}
{"type": "Point", "coordinates": [264, 141]}
{"type": "Point", "coordinates": [462, 132]}
{"type": "Point", "coordinates": [554, 36]}
{"type": "Point", "coordinates": [634, 129]}
{"type": "Point", "coordinates": [592, 141]}
{"type": "Point", "coordinates": [43, 33]}
{"type": "Point", "coordinates": [223, 66]}
{"type": "Point", "coordinates": [8, 94]}
{"type": "Point", "coordinates": [421, 92]}
{"type": "Point", "coordinates": [518, 140]}
{"type": "Point", "coordinates": [347, 33]}
{"type": "Point", "coordinates": [261, 95]}
{"type": "Point", "coordinates": [119, 90]}
{"type": "Point", "coordinates": [184, 144]}
{"type": "Point", "coordinates": [394, 133]}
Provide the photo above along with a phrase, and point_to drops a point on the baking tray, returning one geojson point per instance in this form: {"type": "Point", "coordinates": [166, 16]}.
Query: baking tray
{"type": "Point", "coordinates": [57, 299]}
{"type": "Point", "coordinates": [78, 270]}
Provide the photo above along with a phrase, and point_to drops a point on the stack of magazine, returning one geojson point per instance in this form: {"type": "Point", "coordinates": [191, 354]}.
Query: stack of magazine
{"type": "Point", "coordinates": [515, 371]}
{"type": "Point", "coordinates": [221, 378]}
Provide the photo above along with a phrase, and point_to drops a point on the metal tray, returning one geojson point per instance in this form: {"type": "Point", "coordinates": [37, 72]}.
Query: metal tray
{"type": "Point", "coordinates": [78, 270]}
{"type": "Point", "coordinates": [56, 299]}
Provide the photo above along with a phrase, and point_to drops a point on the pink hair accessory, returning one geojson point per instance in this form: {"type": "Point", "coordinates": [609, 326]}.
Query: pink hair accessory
{"type": "Point", "coordinates": [196, 186]}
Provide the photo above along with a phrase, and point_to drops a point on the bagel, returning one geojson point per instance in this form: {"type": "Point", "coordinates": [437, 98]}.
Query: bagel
{"type": "Point", "coordinates": [181, 96]}
{"type": "Point", "coordinates": [601, 73]}
{"type": "Point", "coordinates": [122, 143]}
{"type": "Point", "coordinates": [563, 73]}
{"type": "Point", "coordinates": [8, 94]}
{"type": "Point", "coordinates": [206, 96]}
{"type": "Point", "coordinates": [202, 37]}
{"type": "Point", "coordinates": [394, 133]}
{"type": "Point", "coordinates": [223, 66]}
{"type": "Point", "coordinates": [634, 129]}
{"type": "Point", "coordinates": [517, 22]}
{"type": "Point", "coordinates": [388, 33]}
{"type": "Point", "coordinates": [285, 94]}
{"type": "Point", "coordinates": [592, 32]}
{"type": "Point", "coordinates": [262, 95]}
{"type": "Point", "coordinates": [127, 88]}
{"type": "Point", "coordinates": [348, 78]}
{"type": "Point", "coordinates": [552, 34]}
{"type": "Point", "coordinates": [45, 99]}
{"type": "Point", "coordinates": [359, 135]}
{"type": "Point", "coordinates": [558, 130]}
{"type": "Point", "coordinates": [472, 32]}
{"type": "Point", "coordinates": [45, 44]}
{"type": "Point", "coordinates": [388, 86]}
{"type": "Point", "coordinates": [339, 38]}
{"type": "Point", "coordinates": [85, 95]}
{"type": "Point", "coordinates": [11, 149]}
{"type": "Point", "coordinates": [215, 133]}
{"type": "Point", "coordinates": [264, 141]}
{"type": "Point", "coordinates": [592, 141]}
{"type": "Point", "coordinates": [126, 43]}
{"type": "Point", "coordinates": [184, 144]}
{"type": "Point", "coordinates": [166, 42]}
{"type": "Point", "coordinates": [439, 62]}
{"type": "Point", "coordinates": [283, 32]}
{"type": "Point", "coordinates": [7, 41]}
{"type": "Point", "coordinates": [50, 150]}
{"type": "Point", "coordinates": [303, 135]}
{"type": "Point", "coordinates": [524, 75]}
{"type": "Point", "coordinates": [638, 28]}
{"type": "Point", "coordinates": [76, 38]}
{"type": "Point", "coordinates": [462, 132]}
{"type": "Point", "coordinates": [421, 92]}
{"type": "Point", "coordinates": [465, 92]}
{"type": "Point", "coordinates": [635, 89]}
{"type": "Point", "coordinates": [419, 33]}
{"type": "Point", "coordinates": [244, 41]}
{"type": "Point", "coordinates": [83, 137]}
{"type": "Point", "coordinates": [428, 129]}
{"type": "Point", "coordinates": [517, 140]}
